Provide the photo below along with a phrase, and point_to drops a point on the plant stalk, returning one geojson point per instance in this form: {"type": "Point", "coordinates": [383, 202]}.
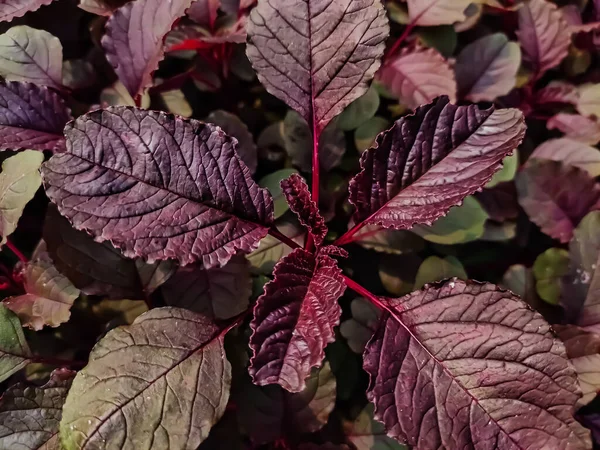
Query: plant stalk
{"type": "Point", "coordinates": [17, 252]}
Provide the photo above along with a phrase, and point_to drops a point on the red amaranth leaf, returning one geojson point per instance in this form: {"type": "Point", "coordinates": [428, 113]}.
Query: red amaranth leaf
{"type": "Point", "coordinates": [29, 415]}
{"type": "Point", "coordinates": [468, 365]}
{"type": "Point", "coordinates": [158, 186]}
{"type": "Point", "coordinates": [9, 9]}
{"type": "Point", "coordinates": [544, 35]}
{"type": "Point", "coordinates": [556, 196]}
{"type": "Point", "coordinates": [294, 319]}
{"type": "Point", "coordinates": [31, 117]}
{"type": "Point", "coordinates": [431, 160]}
{"type": "Point", "coordinates": [317, 56]}
{"type": "Point", "coordinates": [557, 92]}
{"type": "Point", "coordinates": [577, 127]}
{"type": "Point", "coordinates": [134, 39]}
{"type": "Point", "coordinates": [298, 198]}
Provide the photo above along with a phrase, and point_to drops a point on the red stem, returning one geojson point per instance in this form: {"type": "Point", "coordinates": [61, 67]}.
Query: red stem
{"type": "Point", "coordinates": [17, 252]}
{"type": "Point", "coordinates": [348, 236]}
{"type": "Point", "coordinates": [283, 238]}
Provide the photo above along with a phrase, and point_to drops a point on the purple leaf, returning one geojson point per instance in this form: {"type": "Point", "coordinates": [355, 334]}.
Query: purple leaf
{"type": "Point", "coordinates": [160, 383]}
{"type": "Point", "coordinates": [269, 412]}
{"type": "Point", "coordinates": [417, 76]}
{"type": "Point", "coordinates": [298, 198]}
{"type": "Point", "coordinates": [431, 160]}
{"type": "Point", "coordinates": [29, 415]}
{"type": "Point", "coordinates": [468, 365]}
{"type": "Point", "coordinates": [557, 92]}
{"type": "Point", "coordinates": [158, 186]}
{"type": "Point", "coordinates": [437, 12]}
{"type": "Point", "coordinates": [544, 35]}
{"type": "Point", "coordinates": [219, 293]}
{"type": "Point", "coordinates": [317, 57]}
{"type": "Point", "coordinates": [570, 152]}
{"type": "Point", "coordinates": [101, 7]}
{"type": "Point", "coordinates": [9, 9]}
{"type": "Point", "coordinates": [31, 117]}
{"type": "Point", "coordinates": [556, 197]}
{"type": "Point", "coordinates": [487, 68]}
{"type": "Point", "coordinates": [294, 319]}
{"type": "Point", "coordinates": [99, 268]}
{"type": "Point", "coordinates": [577, 127]}
{"type": "Point", "coordinates": [583, 350]}
{"type": "Point", "coordinates": [204, 12]}
{"type": "Point", "coordinates": [233, 126]}
{"type": "Point", "coordinates": [134, 39]}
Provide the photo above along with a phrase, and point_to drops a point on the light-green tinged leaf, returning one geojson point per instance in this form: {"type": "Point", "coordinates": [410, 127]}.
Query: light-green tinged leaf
{"type": "Point", "coordinates": [31, 55]}
{"type": "Point", "coordinates": [117, 95]}
{"type": "Point", "coordinates": [436, 12]}
{"type": "Point", "coordinates": [272, 183]}
{"type": "Point", "coordinates": [161, 382]}
{"type": "Point", "coordinates": [387, 240]}
{"type": "Point", "coordinates": [368, 131]}
{"type": "Point", "coordinates": [510, 164]}
{"type": "Point", "coordinates": [443, 38]}
{"type": "Point", "coordinates": [435, 268]}
{"type": "Point", "coordinates": [48, 296]}
{"type": "Point", "coordinates": [548, 269]}
{"type": "Point", "coordinates": [359, 111]}
{"type": "Point", "coordinates": [463, 223]}
{"type": "Point", "coordinates": [19, 181]}
{"type": "Point", "coordinates": [176, 102]}
{"type": "Point", "coordinates": [589, 99]}
{"type": "Point", "coordinates": [271, 250]}
{"type": "Point", "coordinates": [368, 434]}
{"type": "Point", "coordinates": [360, 327]}
{"type": "Point", "coordinates": [14, 351]}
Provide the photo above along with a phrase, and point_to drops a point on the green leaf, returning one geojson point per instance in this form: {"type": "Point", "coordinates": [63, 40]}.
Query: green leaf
{"type": "Point", "coordinates": [359, 111]}
{"type": "Point", "coordinates": [271, 250]}
{"type": "Point", "coordinates": [176, 102]}
{"type": "Point", "coordinates": [510, 165]}
{"type": "Point", "coordinates": [359, 329]}
{"type": "Point", "coordinates": [589, 99]}
{"type": "Point", "coordinates": [29, 415]}
{"type": "Point", "coordinates": [396, 242]}
{"type": "Point", "coordinates": [14, 351]}
{"type": "Point", "coordinates": [463, 223]}
{"type": "Point", "coordinates": [548, 269]}
{"type": "Point", "coordinates": [397, 272]}
{"type": "Point", "coordinates": [117, 94]}
{"type": "Point", "coordinates": [368, 434]}
{"type": "Point", "coordinates": [272, 183]}
{"type": "Point", "coordinates": [365, 134]}
{"type": "Point", "coordinates": [443, 38]}
{"type": "Point", "coordinates": [48, 296]}
{"type": "Point", "coordinates": [31, 55]}
{"type": "Point", "coordinates": [435, 268]}
{"type": "Point", "coordinates": [161, 382]}
{"type": "Point", "coordinates": [19, 181]}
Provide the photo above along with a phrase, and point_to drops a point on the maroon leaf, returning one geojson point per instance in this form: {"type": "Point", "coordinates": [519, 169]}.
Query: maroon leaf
{"type": "Point", "coordinates": [294, 319]}
{"type": "Point", "coordinates": [29, 415]}
{"type": "Point", "coordinates": [317, 57]}
{"type": "Point", "coordinates": [468, 365]}
{"type": "Point", "coordinates": [9, 9]}
{"type": "Point", "coordinates": [298, 197]}
{"type": "Point", "coordinates": [429, 161]}
{"type": "Point", "coordinates": [158, 186]}
{"type": "Point", "coordinates": [570, 152]}
{"type": "Point", "coordinates": [557, 92]}
{"type": "Point", "coordinates": [500, 202]}
{"type": "Point", "coordinates": [556, 196]}
{"type": "Point", "coordinates": [544, 35]}
{"type": "Point", "coordinates": [31, 117]}
{"type": "Point", "coordinates": [577, 127]}
{"type": "Point", "coordinates": [134, 39]}
{"type": "Point", "coordinates": [417, 76]}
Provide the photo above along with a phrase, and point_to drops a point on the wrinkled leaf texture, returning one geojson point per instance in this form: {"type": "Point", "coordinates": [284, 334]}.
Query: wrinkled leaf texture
{"type": "Point", "coordinates": [134, 39]}
{"type": "Point", "coordinates": [158, 186]}
{"type": "Point", "coordinates": [30, 415]}
{"type": "Point", "coordinates": [9, 9]}
{"type": "Point", "coordinates": [544, 35]}
{"type": "Point", "coordinates": [556, 196]}
{"type": "Point", "coordinates": [161, 382]}
{"type": "Point", "coordinates": [31, 117]}
{"type": "Point", "coordinates": [316, 55]}
{"type": "Point", "coordinates": [99, 268]}
{"type": "Point", "coordinates": [298, 197]}
{"type": "Point", "coordinates": [418, 76]}
{"type": "Point", "coordinates": [468, 365]}
{"type": "Point", "coordinates": [431, 160]}
{"type": "Point", "coordinates": [294, 319]}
